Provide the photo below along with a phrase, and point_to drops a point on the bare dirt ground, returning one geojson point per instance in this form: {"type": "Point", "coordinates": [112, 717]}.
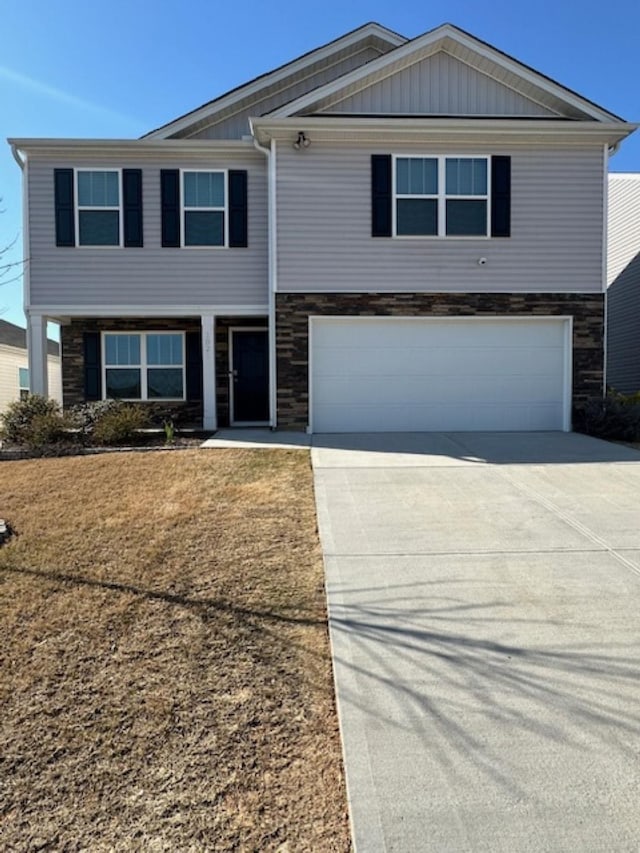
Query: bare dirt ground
{"type": "Point", "coordinates": [165, 679]}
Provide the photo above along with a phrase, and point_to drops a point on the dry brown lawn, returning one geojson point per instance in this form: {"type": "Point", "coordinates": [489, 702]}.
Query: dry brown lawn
{"type": "Point", "coordinates": [165, 677]}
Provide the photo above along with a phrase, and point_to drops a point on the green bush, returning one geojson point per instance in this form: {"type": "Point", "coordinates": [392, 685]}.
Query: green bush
{"type": "Point", "coordinates": [616, 417]}
{"type": "Point", "coordinates": [35, 415]}
{"type": "Point", "coordinates": [118, 424]}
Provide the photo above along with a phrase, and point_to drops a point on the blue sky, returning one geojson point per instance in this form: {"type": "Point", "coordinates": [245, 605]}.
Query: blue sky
{"type": "Point", "coordinates": [84, 69]}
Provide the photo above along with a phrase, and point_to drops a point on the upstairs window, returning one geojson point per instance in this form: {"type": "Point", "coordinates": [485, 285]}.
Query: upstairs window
{"type": "Point", "coordinates": [144, 365]}
{"type": "Point", "coordinates": [441, 197]}
{"type": "Point", "coordinates": [204, 196]}
{"type": "Point", "coordinates": [99, 214]}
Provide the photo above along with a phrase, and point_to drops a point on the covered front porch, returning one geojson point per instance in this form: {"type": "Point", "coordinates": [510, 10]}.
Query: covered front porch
{"type": "Point", "coordinates": [210, 370]}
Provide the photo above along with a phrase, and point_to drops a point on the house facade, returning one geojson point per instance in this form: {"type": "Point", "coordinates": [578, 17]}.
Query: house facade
{"type": "Point", "coordinates": [623, 278]}
{"type": "Point", "coordinates": [384, 234]}
{"type": "Point", "coordinates": [14, 366]}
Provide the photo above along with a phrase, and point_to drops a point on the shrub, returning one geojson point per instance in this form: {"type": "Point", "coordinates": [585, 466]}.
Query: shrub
{"type": "Point", "coordinates": [47, 431]}
{"type": "Point", "coordinates": [119, 424]}
{"type": "Point", "coordinates": [615, 417]}
{"type": "Point", "coordinates": [86, 415]}
{"type": "Point", "coordinates": [33, 415]}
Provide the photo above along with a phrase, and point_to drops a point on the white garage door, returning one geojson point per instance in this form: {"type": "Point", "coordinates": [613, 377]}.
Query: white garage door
{"type": "Point", "coordinates": [388, 374]}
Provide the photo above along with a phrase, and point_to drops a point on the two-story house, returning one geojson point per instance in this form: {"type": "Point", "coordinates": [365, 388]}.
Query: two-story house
{"type": "Point", "coordinates": [384, 234]}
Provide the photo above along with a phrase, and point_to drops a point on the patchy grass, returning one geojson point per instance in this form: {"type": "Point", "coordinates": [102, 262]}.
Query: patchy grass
{"type": "Point", "coordinates": [164, 669]}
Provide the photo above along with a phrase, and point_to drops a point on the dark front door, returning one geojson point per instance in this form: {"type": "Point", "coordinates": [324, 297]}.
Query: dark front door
{"type": "Point", "coordinates": [249, 376]}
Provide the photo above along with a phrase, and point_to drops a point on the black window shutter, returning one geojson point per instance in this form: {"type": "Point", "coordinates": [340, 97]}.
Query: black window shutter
{"type": "Point", "coordinates": [132, 206]}
{"type": "Point", "coordinates": [501, 196]}
{"type": "Point", "coordinates": [238, 209]}
{"type": "Point", "coordinates": [65, 219]}
{"type": "Point", "coordinates": [381, 195]}
{"type": "Point", "coordinates": [92, 366]}
{"type": "Point", "coordinates": [170, 193]}
{"type": "Point", "coordinates": [193, 364]}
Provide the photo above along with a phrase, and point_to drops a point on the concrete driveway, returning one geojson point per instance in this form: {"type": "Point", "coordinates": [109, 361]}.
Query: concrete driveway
{"type": "Point", "coordinates": [484, 594]}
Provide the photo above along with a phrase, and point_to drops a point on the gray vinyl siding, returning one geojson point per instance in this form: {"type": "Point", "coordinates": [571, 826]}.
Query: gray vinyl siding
{"type": "Point", "coordinates": [151, 275]}
{"type": "Point", "coordinates": [324, 226]}
{"type": "Point", "coordinates": [441, 85]}
{"type": "Point", "coordinates": [623, 295]}
{"type": "Point", "coordinates": [235, 126]}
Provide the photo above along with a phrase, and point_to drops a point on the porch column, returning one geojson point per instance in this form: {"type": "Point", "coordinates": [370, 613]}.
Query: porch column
{"type": "Point", "coordinates": [209, 409]}
{"type": "Point", "coordinates": [37, 354]}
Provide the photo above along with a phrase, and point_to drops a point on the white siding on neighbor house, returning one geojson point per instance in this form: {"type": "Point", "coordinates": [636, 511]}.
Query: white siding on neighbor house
{"type": "Point", "coordinates": [623, 222]}
{"type": "Point", "coordinates": [623, 276]}
{"type": "Point", "coordinates": [236, 125]}
{"type": "Point", "coordinates": [152, 275]}
{"type": "Point", "coordinates": [324, 225]}
{"type": "Point", "coordinates": [11, 360]}
{"type": "Point", "coordinates": [440, 85]}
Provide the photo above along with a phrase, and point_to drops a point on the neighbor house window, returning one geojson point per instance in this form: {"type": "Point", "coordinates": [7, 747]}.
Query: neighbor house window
{"type": "Point", "coordinates": [204, 196]}
{"type": "Point", "coordinates": [99, 215]}
{"type": "Point", "coordinates": [144, 365]}
{"type": "Point", "coordinates": [441, 197]}
{"type": "Point", "coordinates": [23, 382]}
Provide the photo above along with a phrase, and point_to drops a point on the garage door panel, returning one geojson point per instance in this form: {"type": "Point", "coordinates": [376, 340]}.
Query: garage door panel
{"type": "Point", "coordinates": [435, 361]}
{"type": "Point", "coordinates": [428, 390]}
{"type": "Point", "coordinates": [386, 374]}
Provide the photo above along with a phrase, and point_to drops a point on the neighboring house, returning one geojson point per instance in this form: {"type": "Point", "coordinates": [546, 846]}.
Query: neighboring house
{"type": "Point", "coordinates": [623, 277]}
{"type": "Point", "coordinates": [380, 235]}
{"type": "Point", "coordinates": [14, 365]}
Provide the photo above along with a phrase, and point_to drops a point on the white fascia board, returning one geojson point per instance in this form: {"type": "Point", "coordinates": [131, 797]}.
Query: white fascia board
{"type": "Point", "coordinates": [420, 47]}
{"type": "Point", "coordinates": [277, 76]}
{"type": "Point", "coordinates": [354, 129]}
{"type": "Point", "coordinates": [142, 146]}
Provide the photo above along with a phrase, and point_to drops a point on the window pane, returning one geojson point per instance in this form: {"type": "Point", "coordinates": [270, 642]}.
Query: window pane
{"type": "Point", "coordinates": [98, 189]}
{"type": "Point", "coordinates": [467, 218]}
{"type": "Point", "coordinates": [164, 349]}
{"type": "Point", "coordinates": [122, 349]}
{"type": "Point", "coordinates": [123, 382]}
{"type": "Point", "coordinates": [99, 228]}
{"type": "Point", "coordinates": [204, 189]}
{"type": "Point", "coordinates": [417, 216]}
{"type": "Point", "coordinates": [417, 176]}
{"type": "Point", "coordinates": [466, 176]}
{"type": "Point", "coordinates": [23, 377]}
{"type": "Point", "coordinates": [203, 229]}
{"type": "Point", "coordinates": [164, 382]}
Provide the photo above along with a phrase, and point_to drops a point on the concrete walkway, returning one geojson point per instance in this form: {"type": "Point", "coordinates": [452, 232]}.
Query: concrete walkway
{"type": "Point", "coordinates": [484, 599]}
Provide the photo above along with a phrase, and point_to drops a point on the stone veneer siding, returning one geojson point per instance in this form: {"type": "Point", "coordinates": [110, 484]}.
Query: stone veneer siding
{"type": "Point", "coordinates": [293, 311]}
{"type": "Point", "coordinates": [187, 413]}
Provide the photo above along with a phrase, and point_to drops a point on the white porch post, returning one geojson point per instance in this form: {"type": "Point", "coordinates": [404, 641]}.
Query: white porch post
{"type": "Point", "coordinates": [37, 354]}
{"type": "Point", "coordinates": [209, 413]}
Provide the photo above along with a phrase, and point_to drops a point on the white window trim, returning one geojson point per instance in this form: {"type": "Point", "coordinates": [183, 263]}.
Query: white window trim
{"type": "Point", "coordinates": [441, 197]}
{"type": "Point", "coordinates": [184, 208]}
{"type": "Point", "coordinates": [143, 366]}
{"type": "Point", "coordinates": [78, 207]}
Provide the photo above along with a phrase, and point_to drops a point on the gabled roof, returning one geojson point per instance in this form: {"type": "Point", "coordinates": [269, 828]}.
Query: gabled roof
{"type": "Point", "coordinates": [467, 48]}
{"type": "Point", "coordinates": [16, 336]}
{"type": "Point", "coordinates": [371, 33]}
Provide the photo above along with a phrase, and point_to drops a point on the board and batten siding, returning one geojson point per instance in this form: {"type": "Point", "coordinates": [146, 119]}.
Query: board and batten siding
{"type": "Point", "coordinates": [439, 85]}
{"type": "Point", "coordinates": [623, 276]}
{"type": "Point", "coordinates": [236, 125]}
{"type": "Point", "coordinates": [324, 226]}
{"type": "Point", "coordinates": [152, 275]}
